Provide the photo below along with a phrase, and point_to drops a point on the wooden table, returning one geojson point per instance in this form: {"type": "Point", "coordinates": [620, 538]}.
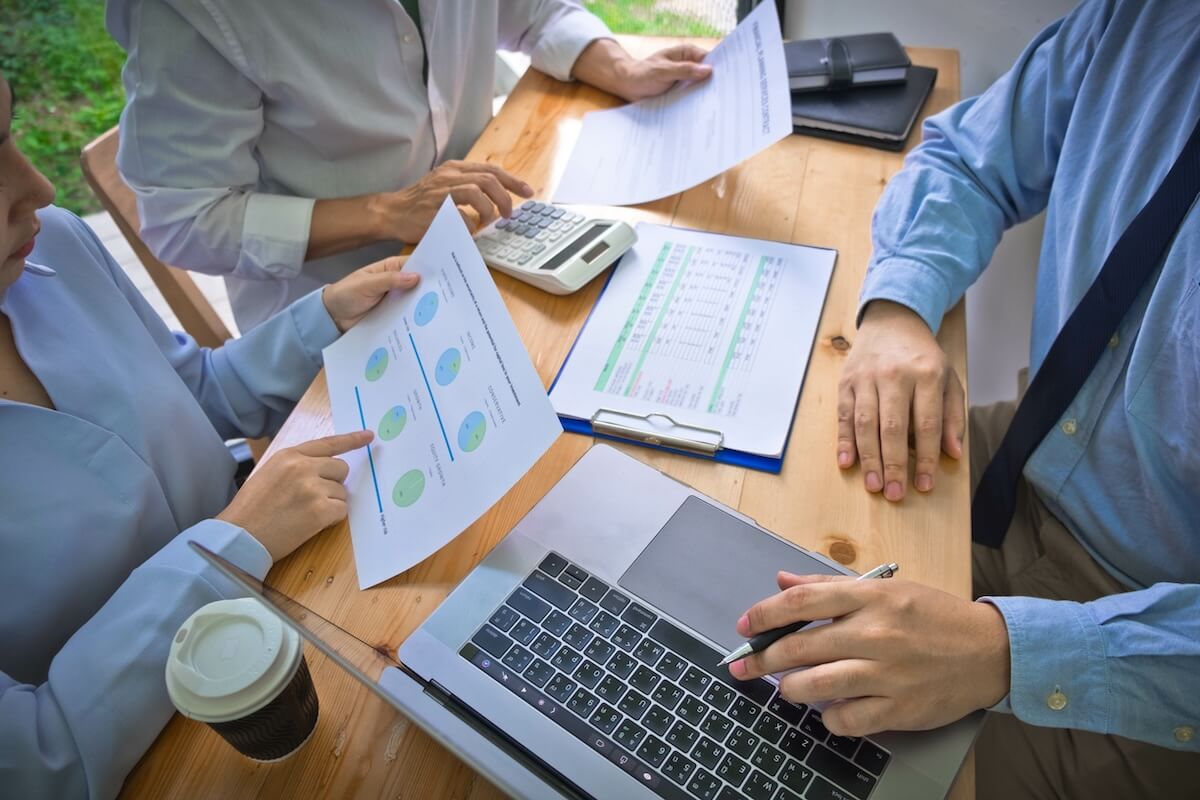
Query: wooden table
{"type": "Point", "coordinates": [801, 190]}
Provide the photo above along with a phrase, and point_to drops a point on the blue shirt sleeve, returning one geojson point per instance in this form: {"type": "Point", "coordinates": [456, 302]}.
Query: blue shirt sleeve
{"type": "Point", "coordinates": [105, 700]}
{"type": "Point", "coordinates": [985, 164]}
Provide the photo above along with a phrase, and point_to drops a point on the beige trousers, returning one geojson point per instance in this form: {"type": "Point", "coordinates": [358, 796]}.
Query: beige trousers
{"type": "Point", "coordinates": [1041, 558]}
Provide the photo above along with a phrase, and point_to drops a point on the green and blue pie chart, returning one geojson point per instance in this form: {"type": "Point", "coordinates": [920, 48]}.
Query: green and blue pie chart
{"type": "Point", "coordinates": [448, 366]}
{"type": "Point", "coordinates": [392, 423]}
{"type": "Point", "coordinates": [426, 309]}
{"type": "Point", "coordinates": [377, 364]}
{"type": "Point", "coordinates": [471, 431]}
{"type": "Point", "coordinates": [409, 488]}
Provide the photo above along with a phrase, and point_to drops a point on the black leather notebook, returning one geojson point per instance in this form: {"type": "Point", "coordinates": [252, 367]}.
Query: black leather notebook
{"type": "Point", "coordinates": [877, 116]}
{"type": "Point", "coordinates": [843, 62]}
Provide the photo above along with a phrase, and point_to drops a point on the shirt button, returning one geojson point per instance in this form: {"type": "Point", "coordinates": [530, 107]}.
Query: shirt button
{"type": "Point", "coordinates": [1184, 734]}
{"type": "Point", "coordinates": [408, 39]}
{"type": "Point", "coordinates": [1069, 427]}
{"type": "Point", "coordinates": [1057, 701]}
{"type": "Point", "coordinates": [1114, 341]}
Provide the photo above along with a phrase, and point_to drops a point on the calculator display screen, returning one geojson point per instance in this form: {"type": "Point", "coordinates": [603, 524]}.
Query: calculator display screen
{"type": "Point", "coordinates": [582, 241]}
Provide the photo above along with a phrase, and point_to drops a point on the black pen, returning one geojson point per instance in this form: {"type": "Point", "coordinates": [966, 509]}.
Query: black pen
{"type": "Point", "coordinates": [765, 640]}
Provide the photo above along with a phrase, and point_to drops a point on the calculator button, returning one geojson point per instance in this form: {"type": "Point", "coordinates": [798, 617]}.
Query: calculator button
{"type": "Point", "coordinates": [528, 204]}
{"type": "Point", "coordinates": [523, 260]}
{"type": "Point", "coordinates": [537, 248]}
{"type": "Point", "coordinates": [557, 213]}
{"type": "Point", "coordinates": [554, 237]}
{"type": "Point", "coordinates": [537, 207]}
{"type": "Point", "coordinates": [543, 222]}
{"type": "Point", "coordinates": [530, 231]}
{"type": "Point", "coordinates": [502, 223]}
{"type": "Point", "coordinates": [542, 236]}
{"type": "Point", "coordinates": [556, 226]}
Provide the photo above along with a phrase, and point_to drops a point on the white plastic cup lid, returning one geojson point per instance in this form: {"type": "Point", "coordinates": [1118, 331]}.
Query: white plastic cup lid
{"type": "Point", "coordinates": [230, 659]}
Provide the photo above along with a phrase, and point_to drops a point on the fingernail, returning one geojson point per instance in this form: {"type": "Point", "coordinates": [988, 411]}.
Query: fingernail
{"type": "Point", "coordinates": [410, 278]}
{"type": "Point", "coordinates": [874, 484]}
{"type": "Point", "coordinates": [738, 669]}
{"type": "Point", "coordinates": [526, 189]}
{"type": "Point", "coordinates": [894, 491]}
{"type": "Point", "coordinates": [743, 625]}
{"type": "Point", "coordinates": [924, 483]}
{"type": "Point", "coordinates": [843, 459]}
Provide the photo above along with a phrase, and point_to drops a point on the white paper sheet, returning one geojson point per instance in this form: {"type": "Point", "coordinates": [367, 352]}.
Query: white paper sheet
{"type": "Point", "coordinates": [714, 331]}
{"type": "Point", "coordinates": [657, 147]}
{"type": "Point", "coordinates": [459, 413]}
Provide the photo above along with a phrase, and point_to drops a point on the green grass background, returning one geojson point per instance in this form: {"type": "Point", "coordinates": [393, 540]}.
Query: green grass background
{"type": "Point", "coordinates": [66, 74]}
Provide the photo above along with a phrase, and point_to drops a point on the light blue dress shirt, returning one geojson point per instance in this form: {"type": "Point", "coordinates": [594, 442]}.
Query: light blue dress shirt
{"type": "Point", "coordinates": [1085, 126]}
{"type": "Point", "coordinates": [100, 496]}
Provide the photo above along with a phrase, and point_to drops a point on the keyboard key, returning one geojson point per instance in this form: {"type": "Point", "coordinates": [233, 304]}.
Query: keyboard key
{"type": "Point", "coordinates": [544, 645]}
{"type": "Point", "coordinates": [634, 704]}
{"type": "Point", "coordinates": [593, 588]}
{"type": "Point", "coordinates": [648, 652]}
{"type": "Point", "coordinates": [733, 770]}
{"type": "Point", "coordinates": [604, 624]}
{"type": "Point", "coordinates": [716, 725]}
{"type": "Point", "coordinates": [629, 735]}
{"type": "Point", "coordinates": [578, 636]}
{"type": "Point", "coordinates": [610, 688]}
{"type": "Point", "coordinates": [785, 793]}
{"type": "Point", "coordinates": [769, 759]}
{"type": "Point", "coordinates": [605, 718]}
{"type": "Point", "coordinates": [678, 768]}
{"type": "Point", "coordinates": [644, 680]}
{"type": "Point", "coordinates": [700, 654]}
{"type": "Point", "coordinates": [771, 728]}
{"type": "Point", "coordinates": [524, 631]}
{"type": "Point", "coordinates": [658, 719]}
{"type": "Point", "coordinates": [653, 751]}
{"type": "Point", "coordinates": [682, 736]}
{"type": "Point", "coordinates": [796, 776]}
{"type": "Point", "coordinates": [719, 696]}
{"type": "Point", "coordinates": [547, 589]}
{"type": "Point", "coordinates": [538, 672]}
{"type": "Point", "coordinates": [729, 793]}
{"type": "Point", "coordinates": [599, 651]}
{"type": "Point", "coordinates": [821, 789]}
{"type": "Point", "coordinates": [672, 666]}
{"type": "Point", "coordinates": [577, 573]}
{"type": "Point", "coordinates": [743, 742]}
{"type": "Point", "coordinates": [708, 752]}
{"type": "Point", "coordinates": [813, 726]}
{"type": "Point", "coordinates": [744, 711]}
{"type": "Point", "coordinates": [692, 709]}
{"type": "Point", "coordinates": [852, 778]}
{"type": "Point", "coordinates": [844, 746]}
{"type": "Point", "coordinates": [626, 638]}
{"type": "Point", "coordinates": [796, 744]}
{"type": "Point", "coordinates": [614, 602]}
{"type": "Point", "coordinates": [639, 617]}
{"type": "Point", "coordinates": [703, 786]}
{"type": "Point", "coordinates": [553, 563]}
{"type": "Point", "coordinates": [622, 665]}
{"type": "Point", "coordinates": [668, 694]}
{"type": "Point", "coordinates": [561, 688]}
{"type": "Point", "coordinates": [791, 713]}
{"type": "Point", "coordinates": [588, 674]}
{"type": "Point", "coordinates": [566, 660]}
{"type": "Point", "coordinates": [557, 623]}
{"type": "Point", "coordinates": [583, 703]}
{"type": "Point", "coordinates": [504, 618]}
{"type": "Point", "coordinates": [492, 640]}
{"type": "Point", "coordinates": [695, 681]}
{"type": "Point", "coordinates": [759, 787]}
{"type": "Point", "coordinates": [518, 658]}
{"type": "Point", "coordinates": [871, 757]}
{"type": "Point", "coordinates": [583, 610]}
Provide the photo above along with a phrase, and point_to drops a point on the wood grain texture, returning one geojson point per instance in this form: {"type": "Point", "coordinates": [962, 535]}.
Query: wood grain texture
{"type": "Point", "coordinates": [804, 190]}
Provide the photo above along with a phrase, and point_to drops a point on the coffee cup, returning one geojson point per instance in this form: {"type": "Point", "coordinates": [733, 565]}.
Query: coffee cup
{"type": "Point", "coordinates": [237, 667]}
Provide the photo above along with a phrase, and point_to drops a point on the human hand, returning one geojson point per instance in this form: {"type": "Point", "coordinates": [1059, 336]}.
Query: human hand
{"type": "Point", "coordinates": [606, 65]}
{"type": "Point", "coordinates": [897, 655]}
{"type": "Point", "coordinates": [896, 372]}
{"type": "Point", "coordinates": [407, 213]}
{"type": "Point", "coordinates": [296, 493]}
{"type": "Point", "coordinates": [349, 300]}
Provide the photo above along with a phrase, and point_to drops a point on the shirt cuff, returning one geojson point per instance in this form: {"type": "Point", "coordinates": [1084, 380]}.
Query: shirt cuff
{"type": "Point", "coordinates": [274, 236]}
{"type": "Point", "coordinates": [909, 283]}
{"type": "Point", "coordinates": [314, 327]}
{"type": "Point", "coordinates": [1059, 674]}
{"type": "Point", "coordinates": [227, 540]}
{"type": "Point", "coordinates": [559, 47]}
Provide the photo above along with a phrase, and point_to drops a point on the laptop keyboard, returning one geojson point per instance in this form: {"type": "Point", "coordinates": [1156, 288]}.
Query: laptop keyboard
{"type": "Point", "coordinates": [652, 699]}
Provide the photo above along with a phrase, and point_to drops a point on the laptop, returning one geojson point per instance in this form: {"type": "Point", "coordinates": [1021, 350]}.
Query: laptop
{"type": "Point", "coordinates": [580, 658]}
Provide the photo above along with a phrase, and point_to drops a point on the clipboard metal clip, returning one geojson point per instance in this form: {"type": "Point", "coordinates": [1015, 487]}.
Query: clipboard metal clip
{"type": "Point", "coordinates": [658, 430]}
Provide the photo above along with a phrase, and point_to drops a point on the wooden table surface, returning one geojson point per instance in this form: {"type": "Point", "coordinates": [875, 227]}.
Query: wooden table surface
{"type": "Point", "coordinates": [802, 190]}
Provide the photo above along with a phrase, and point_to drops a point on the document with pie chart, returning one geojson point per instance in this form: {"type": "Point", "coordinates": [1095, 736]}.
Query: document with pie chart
{"type": "Point", "coordinates": [459, 413]}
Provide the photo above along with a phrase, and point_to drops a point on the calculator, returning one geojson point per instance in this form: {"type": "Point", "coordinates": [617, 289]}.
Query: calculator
{"type": "Point", "coordinates": [552, 247]}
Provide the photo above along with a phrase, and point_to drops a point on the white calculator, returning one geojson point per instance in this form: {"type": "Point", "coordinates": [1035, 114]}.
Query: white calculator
{"type": "Point", "coordinates": [553, 248]}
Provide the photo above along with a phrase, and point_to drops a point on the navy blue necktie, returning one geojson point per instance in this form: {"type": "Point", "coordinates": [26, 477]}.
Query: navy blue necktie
{"type": "Point", "coordinates": [1082, 340]}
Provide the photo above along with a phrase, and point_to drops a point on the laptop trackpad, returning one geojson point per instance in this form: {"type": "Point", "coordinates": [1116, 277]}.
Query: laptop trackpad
{"type": "Point", "coordinates": [706, 567]}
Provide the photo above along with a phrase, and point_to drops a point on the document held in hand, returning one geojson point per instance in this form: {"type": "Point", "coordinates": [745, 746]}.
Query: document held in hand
{"type": "Point", "coordinates": [458, 410]}
{"type": "Point", "coordinates": [658, 147]}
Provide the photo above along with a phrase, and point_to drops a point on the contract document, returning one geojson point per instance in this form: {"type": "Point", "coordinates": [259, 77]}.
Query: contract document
{"type": "Point", "coordinates": [458, 410]}
{"type": "Point", "coordinates": [699, 341]}
{"type": "Point", "coordinates": [664, 145]}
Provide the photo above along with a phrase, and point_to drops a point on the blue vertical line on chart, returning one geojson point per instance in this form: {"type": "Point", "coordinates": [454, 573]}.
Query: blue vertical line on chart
{"type": "Point", "coordinates": [370, 458]}
{"type": "Point", "coordinates": [432, 399]}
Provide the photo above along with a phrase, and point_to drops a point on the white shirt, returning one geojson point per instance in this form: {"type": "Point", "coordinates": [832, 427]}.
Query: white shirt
{"type": "Point", "coordinates": [241, 113]}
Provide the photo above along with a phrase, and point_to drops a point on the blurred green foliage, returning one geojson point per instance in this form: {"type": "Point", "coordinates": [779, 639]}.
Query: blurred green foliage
{"type": "Point", "coordinates": [644, 17]}
{"type": "Point", "coordinates": [65, 72]}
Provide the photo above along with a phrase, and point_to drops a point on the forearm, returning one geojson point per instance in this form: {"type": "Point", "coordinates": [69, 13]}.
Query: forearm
{"type": "Point", "coordinates": [604, 64]}
{"type": "Point", "coordinates": [348, 223]}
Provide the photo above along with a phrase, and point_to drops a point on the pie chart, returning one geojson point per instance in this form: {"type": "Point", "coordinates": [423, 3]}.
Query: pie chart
{"type": "Point", "coordinates": [377, 364]}
{"type": "Point", "coordinates": [471, 431]}
{"type": "Point", "coordinates": [448, 366]}
{"type": "Point", "coordinates": [426, 309]}
{"type": "Point", "coordinates": [409, 488]}
{"type": "Point", "coordinates": [392, 423]}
